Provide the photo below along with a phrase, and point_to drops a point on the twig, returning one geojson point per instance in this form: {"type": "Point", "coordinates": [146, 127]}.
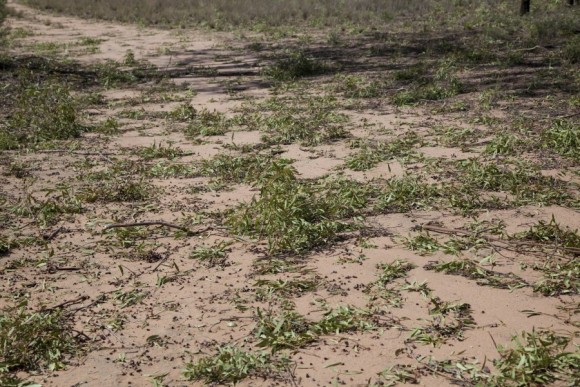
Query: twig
{"type": "Point", "coordinates": [52, 235]}
{"type": "Point", "coordinates": [66, 303]}
{"type": "Point", "coordinates": [157, 223]}
{"type": "Point", "coordinates": [80, 153]}
{"type": "Point", "coordinates": [488, 238]}
{"type": "Point", "coordinates": [569, 115]}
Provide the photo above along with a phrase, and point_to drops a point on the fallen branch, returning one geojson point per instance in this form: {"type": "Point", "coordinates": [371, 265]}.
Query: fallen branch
{"type": "Point", "coordinates": [156, 223]}
{"type": "Point", "coordinates": [66, 303]}
{"type": "Point", "coordinates": [454, 231]}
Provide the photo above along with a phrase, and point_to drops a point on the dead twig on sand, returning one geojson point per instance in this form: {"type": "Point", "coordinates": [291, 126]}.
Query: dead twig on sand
{"type": "Point", "coordinates": [157, 223]}
{"type": "Point", "coordinates": [454, 231]}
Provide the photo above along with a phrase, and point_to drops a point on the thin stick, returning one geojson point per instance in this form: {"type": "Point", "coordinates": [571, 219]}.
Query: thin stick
{"type": "Point", "coordinates": [67, 303]}
{"type": "Point", "coordinates": [455, 231]}
{"type": "Point", "coordinates": [156, 223]}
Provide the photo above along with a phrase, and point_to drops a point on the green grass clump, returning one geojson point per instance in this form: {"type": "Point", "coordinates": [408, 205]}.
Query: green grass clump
{"type": "Point", "coordinates": [117, 190]}
{"type": "Point", "coordinates": [35, 340]}
{"type": "Point", "coordinates": [283, 330]}
{"type": "Point", "coordinates": [237, 169]}
{"type": "Point", "coordinates": [296, 64]}
{"type": "Point", "coordinates": [537, 358]}
{"type": "Point", "coordinates": [503, 144]}
{"type": "Point", "coordinates": [355, 86]}
{"type": "Point", "coordinates": [44, 111]}
{"type": "Point", "coordinates": [215, 255]}
{"type": "Point", "coordinates": [559, 278]}
{"type": "Point", "coordinates": [370, 154]}
{"type": "Point", "coordinates": [309, 120]}
{"type": "Point", "coordinates": [232, 364]}
{"type": "Point", "coordinates": [207, 123]}
{"type": "Point", "coordinates": [392, 271]}
{"type": "Point", "coordinates": [564, 138]}
{"type": "Point", "coordinates": [297, 216]}
{"type": "Point", "coordinates": [406, 193]}
{"type": "Point", "coordinates": [551, 233]}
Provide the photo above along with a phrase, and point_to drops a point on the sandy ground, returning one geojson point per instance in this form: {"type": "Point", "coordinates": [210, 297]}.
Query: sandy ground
{"type": "Point", "coordinates": [186, 318]}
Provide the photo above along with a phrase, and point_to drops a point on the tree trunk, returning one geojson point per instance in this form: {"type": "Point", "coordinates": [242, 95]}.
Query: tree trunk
{"type": "Point", "coordinates": [525, 7]}
{"type": "Point", "coordinates": [570, 2]}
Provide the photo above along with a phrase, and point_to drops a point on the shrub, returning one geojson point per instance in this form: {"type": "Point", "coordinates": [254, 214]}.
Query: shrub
{"type": "Point", "coordinates": [44, 111]}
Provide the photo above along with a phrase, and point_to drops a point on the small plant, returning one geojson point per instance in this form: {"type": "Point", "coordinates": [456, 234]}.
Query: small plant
{"type": "Point", "coordinates": [232, 364]}
{"type": "Point", "coordinates": [117, 190]}
{"type": "Point", "coordinates": [284, 330]}
{"type": "Point", "coordinates": [297, 64]}
{"type": "Point", "coordinates": [206, 123]}
{"type": "Point", "coordinates": [282, 288]}
{"type": "Point", "coordinates": [370, 154]}
{"type": "Point", "coordinates": [155, 151]}
{"type": "Point", "coordinates": [129, 298]}
{"type": "Point", "coordinates": [394, 270]}
{"type": "Point", "coordinates": [44, 112]}
{"type": "Point", "coordinates": [296, 216]}
{"type": "Point", "coordinates": [564, 138]}
{"type": "Point", "coordinates": [212, 256]}
{"type": "Point", "coordinates": [402, 194]}
{"type": "Point", "coordinates": [484, 277]}
{"type": "Point", "coordinates": [352, 86]}
{"type": "Point", "coordinates": [537, 358]}
{"type": "Point", "coordinates": [35, 340]}
{"type": "Point", "coordinates": [423, 244]}
{"type": "Point", "coordinates": [237, 169]}
{"type": "Point", "coordinates": [503, 144]}
{"type": "Point", "coordinates": [344, 319]}
{"type": "Point", "coordinates": [551, 233]}
{"type": "Point", "coordinates": [559, 278]}
{"type": "Point", "coordinates": [448, 320]}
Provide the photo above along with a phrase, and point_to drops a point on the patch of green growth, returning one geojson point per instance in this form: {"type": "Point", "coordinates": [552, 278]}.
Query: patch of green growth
{"type": "Point", "coordinates": [297, 216]}
{"type": "Point", "coordinates": [382, 288]}
{"type": "Point", "coordinates": [212, 256]}
{"type": "Point", "coordinates": [238, 169]}
{"type": "Point", "coordinates": [129, 298]}
{"type": "Point", "coordinates": [310, 120]}
{"type": "Point", "coordinates": [571, 51]}
{"type": "Point", "coordinates": [283, 330]}
{"type": "Point", "coordinates": [402, 194]}
{"type": "Point", "coordinates": [394, 375]}
{"type": "Point", "coordinates": [559, 278]}
{"type": "Point", "coordinates": [232, 364]}
{"type": "Point", "coordinates": [166, 169]}
{"type": "Point", "coordinates": [563, 137]}
{"type": "Point", "coordinates": [441, 84]}
{"type": "Point", "coordinates": [285, 288]}
{"type": "Point", "coordinates": [117, 190]}
{"type": "Point", "coordinates": [275, 266]}
{"type": "Point", "coordinates": [110, 74]}
{"type": "Point", "coordinates": [537, 358]}
{"type": "Point", "coordinates": [423, 243]}
{"type": "Point", "coordinates": [523, 180]}
{"type": "Point", "coordinates": [33, 341]}
{"type": "Point", "coordinates": [296, 64]}
{"type": "Point", "coordinates": [155, 151]}
{"type": "Point", "coordinates": [355, 86]}
{"type": "Point", "coordinates": [371, 154]}
{"type": "Point", "coordinates": [44, 111]}
{"type": "Point", "coordinates": [109, 127]}
{"type": "Point", "coordinates": [551, 233]}
{"type": "Point", "coordinates": [344, 319]}
{"type": "Point", "coordinates": [392, 271]}
{"type": "Point", "coordinates": [503, 144]}
{"type": "Point", "coordinates": [484, 277]}
{"type": "Point", "coordinates": [418, 287]}
{"type": "Point", "coordinates": [47, 211]}
{"type": "Point", "coordinates": [454, 136]}
{"type": "Point", "coordinates": [289, 330]}
{"type": "Point", "coordinates": [206, 123]}
{"type": "Point", "coordinates": [183, 113]}
{"type": "Point", "coordinates": [448, 320]}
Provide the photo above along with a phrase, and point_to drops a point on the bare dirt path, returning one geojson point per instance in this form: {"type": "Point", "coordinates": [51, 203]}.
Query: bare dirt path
{"type": "Point", "coordinates": [150, 307]}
